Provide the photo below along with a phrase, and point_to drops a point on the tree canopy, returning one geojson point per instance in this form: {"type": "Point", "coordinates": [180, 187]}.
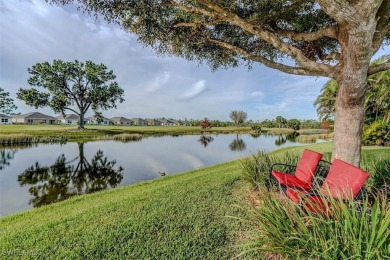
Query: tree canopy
{"type": "Point", "coordinates": [331, 38]}
{"type": "Point", "coordinates": [6, 103]}
{"type": "Point", "coordinates": [73, 86]}
{"type": "Point", "coordinates": [238, 117]}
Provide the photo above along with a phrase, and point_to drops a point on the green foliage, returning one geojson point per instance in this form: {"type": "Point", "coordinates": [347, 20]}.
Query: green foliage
{"type": "Point", "coordinates": [255, 169]}
{"type": "Point", "coordinates": [377, 104]}
{"type": "Point", "coordinates": [205, 123]}
{"type": "Point", "coordinates": [175, 28]}
{"type": "Point", "coordinates": [280, 121]}
{"type": "Point", "coordinates": [352, 233]}
{"type": "Point", "coordinates": [268, 123]}
{"type": "Point", "coordinates": [256, 128]}
{"type": "Point", "coordinates": [378, 168]}
{"type": "Point", "coordinates": [294, 124]}
{"type": "Point", "coordinates": [72, 84]}
{"type": "Point", "coordinates": [378, 133]}
{"type": "Point", "coordinates": [6, 103]}
{"type": "Point", "coordinates": [238, 117]}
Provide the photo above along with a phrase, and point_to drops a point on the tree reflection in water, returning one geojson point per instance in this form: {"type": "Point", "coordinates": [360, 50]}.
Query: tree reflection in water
{"type": "Point", "coordinates": [50, 184]}
{"type": "Point", "coordinates": [205, 140]}
{"type": "Point", "coordinates": [281, 140]}
{"type": "Point", "coordinates": [292, 137]}
{"type": "Point", "coordinates": [5, 157]}
{"type": "Point", "coordinates": [237, 145]}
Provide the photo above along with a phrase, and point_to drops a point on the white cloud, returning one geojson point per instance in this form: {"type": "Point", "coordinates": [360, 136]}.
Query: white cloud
{"type": "Point", "coordinates": [257, 94]}
{"type": "Point", "coordinates": [158, 82]}
{"type": "Point", "coordinates": [196, 89]}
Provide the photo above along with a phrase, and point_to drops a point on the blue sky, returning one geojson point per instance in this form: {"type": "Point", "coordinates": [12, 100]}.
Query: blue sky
{"type": "Point", "coordinates": [33, 31]}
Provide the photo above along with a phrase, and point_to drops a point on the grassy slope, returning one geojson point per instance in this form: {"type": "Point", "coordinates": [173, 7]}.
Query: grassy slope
{"type": "Point", "coordinates": [175, 217]}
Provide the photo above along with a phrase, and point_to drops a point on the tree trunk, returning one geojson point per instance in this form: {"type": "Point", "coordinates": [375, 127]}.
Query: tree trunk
{"type": "Point", "coordinates": [81, 121]}
{"type": "Point", "coordinates": [352, 79]}
{"type": "Point", "coordinates": [348, 130]}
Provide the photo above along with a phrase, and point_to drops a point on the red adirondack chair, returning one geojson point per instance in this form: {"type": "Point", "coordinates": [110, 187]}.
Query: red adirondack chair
{"type": "Point", "coordinates": [304, 172]}
{"type": "Point", "coordinates": [344, 181]}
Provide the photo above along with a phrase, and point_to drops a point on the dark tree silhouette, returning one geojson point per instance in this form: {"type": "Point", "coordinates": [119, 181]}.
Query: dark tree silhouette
{"type": "Point", "coordinates": [205, 140]}
{"type": "Point", "coordinates": [237, 145]}
{"type": "Point", "coordinates": [5, 157]}
{"type": "Point", "coordinates": [64, 179]}
{"type": "Point", "coordinates": [281, 140]}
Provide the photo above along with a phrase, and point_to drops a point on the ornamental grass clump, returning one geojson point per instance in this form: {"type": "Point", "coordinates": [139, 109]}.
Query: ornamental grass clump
{"type": "Point", "coordinates": [255, 168]}
{"type": "Point", "coordinates": [351, 230]}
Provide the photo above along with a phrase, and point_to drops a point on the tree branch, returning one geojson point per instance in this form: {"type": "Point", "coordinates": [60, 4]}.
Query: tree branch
{"type": "Point", "coordinates": [270, 38]}
{"type": "Point", "coordinates": [340, 10]}
{"type": "Point", "coordinates": [330, 32]}
{"type": "Point", "coordinates": [71, 109]}
{"type": "Point", "coordinates": [266, 62]}
{"type": "Point", "coordinates": [378, 68]}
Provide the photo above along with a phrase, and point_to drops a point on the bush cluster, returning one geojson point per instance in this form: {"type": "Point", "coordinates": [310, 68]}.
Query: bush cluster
{"type": "Point", "coordinates": [355, 230]}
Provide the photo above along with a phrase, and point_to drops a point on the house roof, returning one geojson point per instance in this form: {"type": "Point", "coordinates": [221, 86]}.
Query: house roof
{"type": "Point", "coordinates": [34, 115]}
{"type": "Point", "coordinates": [94, 118]}
{"type": "Point", "coordinates": [152, 120]}
{"type": "Point", "coordinates": [137, 119]}
{"type": "Point", "coordinates": [2, 115]}
{"type": "Point", "coordinates": [120, 119]}
{"type": "Point", "coordinates": [68, 116]}
{"type": "Point", "coordinates": [166, 121]}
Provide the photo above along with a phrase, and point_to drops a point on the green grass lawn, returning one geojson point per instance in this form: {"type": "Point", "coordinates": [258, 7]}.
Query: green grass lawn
{"type": "Point", "coordinates": [175, 217]}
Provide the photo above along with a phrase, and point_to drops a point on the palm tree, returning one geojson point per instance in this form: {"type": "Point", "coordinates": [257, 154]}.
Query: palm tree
{"type": "Point", "coordinates": [326, 101]}
{"type": "Point", "coordinates": [377, 103]}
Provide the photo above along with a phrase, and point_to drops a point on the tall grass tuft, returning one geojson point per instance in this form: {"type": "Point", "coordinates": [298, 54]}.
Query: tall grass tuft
{"type": "Point", "coordinates": [312, 138]}
{"type": "Point", "coordinates": [354, 231]}
{"type": "Point", "coordinates": [255, 169]}
{"type": "Point", "coordinates": [379, 170]}
{"type": "Point", "coordinates": [29, 139]}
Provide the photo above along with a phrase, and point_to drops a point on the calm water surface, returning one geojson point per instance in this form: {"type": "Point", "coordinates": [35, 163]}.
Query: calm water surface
{"type": "Point", "coordinates": [43, 174]}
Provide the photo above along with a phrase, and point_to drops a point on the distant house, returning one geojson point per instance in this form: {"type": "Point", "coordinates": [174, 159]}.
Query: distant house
{"type": "Point", "coordinates": [5, 120]}
{"type": "Point", "coordinates": [178, 122]}
{"type": "Point", "coordinates": [93, 121]}
{"type": "Point", "coordinates": [34, 118]}
{"type": "Point", "coordinates": [167, 122]}
{"type": "Point", "coordinates": [69, 119]}
{"type": "Point", "coordinates": [139, 121]}
{"type": "Point", "coordinates": [154, 122]}
{"type": "Point", "coordinates": [121, 121]}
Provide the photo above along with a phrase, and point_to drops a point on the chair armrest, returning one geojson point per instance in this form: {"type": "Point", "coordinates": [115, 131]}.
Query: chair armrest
{"type": "Point", "coordinates": [281, 164]}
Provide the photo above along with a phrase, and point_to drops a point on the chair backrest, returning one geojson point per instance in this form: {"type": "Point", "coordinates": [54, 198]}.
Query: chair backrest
{"type": "Point", "coordinates": [307, 165]}
{"type": "Point", "coordinates": [344, 181]}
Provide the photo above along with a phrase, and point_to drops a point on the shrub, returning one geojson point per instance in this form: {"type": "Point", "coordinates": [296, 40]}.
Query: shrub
{"type": "Point", "coordinates": [294, 124]}
{"type": "Point", "coordinates": [377, 133]}
{"type": "Point", "coordinates": [379, 173]}
{"type": "Point", "coordinates": [280, 226]}
{"type": "Point", "coordinates": [255, 169]}
{"type": "Point", "coordinates": [256, 128]}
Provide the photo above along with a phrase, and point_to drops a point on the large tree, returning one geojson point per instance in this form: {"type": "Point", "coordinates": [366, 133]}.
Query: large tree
{"type": "Point", "coordinates": [330, 38]}
{"type": "Point", "coordinates": [238, 117]}
{"type": "Point", "coordinates": [377, 99]}
{"type": "Point", "coordinates": [74, 86]}
{"type": "Point", "coordinates": [6, 103]}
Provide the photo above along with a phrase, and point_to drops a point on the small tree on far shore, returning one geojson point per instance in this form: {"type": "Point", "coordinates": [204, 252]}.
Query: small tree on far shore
{"type": "Point", "coordinates": [281, 121]}
{"type": "Point", "coordinates": [294, 124]}
{"type": "Point", "coordinates": [238, 117]}
{"type": "Point", "coordinates": [6, 103]}
{"type": "Point", "coordinates": [205, 123]}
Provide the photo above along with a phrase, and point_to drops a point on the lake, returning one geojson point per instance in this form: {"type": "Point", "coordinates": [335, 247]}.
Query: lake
{"type": "Point", "coordinates": [41, 174]}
